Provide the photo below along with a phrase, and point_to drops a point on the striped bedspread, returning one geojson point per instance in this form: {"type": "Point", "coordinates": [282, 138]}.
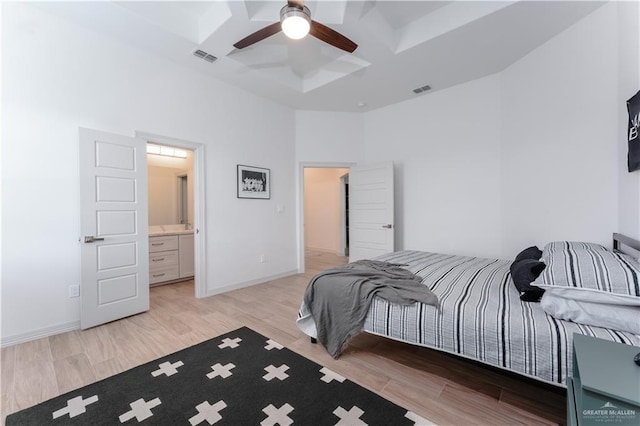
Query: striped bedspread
{"type": "Point", "coordinates": [481, 317]}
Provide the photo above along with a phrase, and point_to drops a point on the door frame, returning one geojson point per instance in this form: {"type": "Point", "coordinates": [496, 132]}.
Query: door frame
{"type": "Point", "coordinates": [301, 196]}
{"type": "Point", "coordinates": [181, 194]}
{"type": "Point", "coordinates": [344, 219]}
{"type": "Point", "coordinates": [199, 204]}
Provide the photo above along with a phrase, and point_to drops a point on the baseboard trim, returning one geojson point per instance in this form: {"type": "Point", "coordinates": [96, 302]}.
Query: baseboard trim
{"type": "Point", "coordinates": [39, 334]}
{"type": "Point", "coordinates": [75, 325]}
{"type": "Point", "coordinates": [325, 250]}
{"type": "Point", "coordinates": [262, 280]}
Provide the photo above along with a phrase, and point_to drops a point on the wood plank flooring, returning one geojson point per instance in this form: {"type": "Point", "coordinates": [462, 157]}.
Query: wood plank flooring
{"type": "Point", "coordinates": [441, 387]}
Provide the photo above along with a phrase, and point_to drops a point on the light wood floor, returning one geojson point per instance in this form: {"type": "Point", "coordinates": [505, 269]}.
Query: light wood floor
{"type": "Point", "coordinates": [440, 387]}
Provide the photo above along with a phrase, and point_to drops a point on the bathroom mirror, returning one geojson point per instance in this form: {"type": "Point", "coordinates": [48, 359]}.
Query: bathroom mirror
{"type": "Point", "coordinates": [170, 184]}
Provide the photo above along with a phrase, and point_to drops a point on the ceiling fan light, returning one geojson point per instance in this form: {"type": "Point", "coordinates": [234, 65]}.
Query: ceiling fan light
{"type": "Point", "coordinates": [295, 22]}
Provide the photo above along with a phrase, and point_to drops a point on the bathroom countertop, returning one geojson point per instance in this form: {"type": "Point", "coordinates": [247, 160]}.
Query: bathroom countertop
{"type": "Point", "coordinates": [164, 230]}
{"type": "Point", "coordinates": [164, 233]}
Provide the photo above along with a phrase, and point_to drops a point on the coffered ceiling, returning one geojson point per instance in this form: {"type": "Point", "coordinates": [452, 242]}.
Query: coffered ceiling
{"type": "Point", "coordinates": [402, 45]}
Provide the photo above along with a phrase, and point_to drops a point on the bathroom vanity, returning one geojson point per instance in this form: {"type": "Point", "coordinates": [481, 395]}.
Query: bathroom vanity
{"type": "Point", "coordinates": [171, 254]}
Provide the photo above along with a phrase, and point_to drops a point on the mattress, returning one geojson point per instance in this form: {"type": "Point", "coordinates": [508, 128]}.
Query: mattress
{"type": "Point", "coordinates": [480, 316]}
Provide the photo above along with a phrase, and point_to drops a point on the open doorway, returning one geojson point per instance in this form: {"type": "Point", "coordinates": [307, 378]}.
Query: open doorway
{"type": "Point", "coordinates": [170, 199]}
{"type": "Point", "coordinates": [176, 211]}
{"type": "Point", "coordinates": [370, 210]}
{"type": "Point", "coordinates": [325, 211]}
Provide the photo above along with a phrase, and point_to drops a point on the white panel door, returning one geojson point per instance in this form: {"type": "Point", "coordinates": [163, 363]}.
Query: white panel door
{"type": "Point", "coordinates": [113, 223]}
{"type": "Point", "coordinates": [371, 210]}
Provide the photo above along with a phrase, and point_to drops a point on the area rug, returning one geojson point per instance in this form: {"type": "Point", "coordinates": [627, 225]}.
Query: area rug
{"type": "Point", "coordinates": [240, 378]}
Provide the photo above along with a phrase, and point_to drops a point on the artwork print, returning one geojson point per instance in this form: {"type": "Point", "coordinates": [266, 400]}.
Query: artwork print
{"type": "Point", "coordinates": [633, 106]}
{"type": "Point", "coordinates": [254, 182]}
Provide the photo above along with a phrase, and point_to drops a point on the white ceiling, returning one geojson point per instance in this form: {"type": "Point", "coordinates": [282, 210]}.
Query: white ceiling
{"type": "Point", "coordinates": [402, 45]}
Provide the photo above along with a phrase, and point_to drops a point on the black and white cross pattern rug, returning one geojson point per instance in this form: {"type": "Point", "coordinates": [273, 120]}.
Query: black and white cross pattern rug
{"type": "Point", "coordinates": [240, 378]}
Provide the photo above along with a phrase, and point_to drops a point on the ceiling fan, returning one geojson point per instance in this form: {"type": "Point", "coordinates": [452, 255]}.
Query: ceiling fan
{"type": "Point", "coordinates": [296, 23]}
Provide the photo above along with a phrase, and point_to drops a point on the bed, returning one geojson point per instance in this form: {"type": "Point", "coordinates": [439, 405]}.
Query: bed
{"type": "Point", "coordinates": [481, 315]}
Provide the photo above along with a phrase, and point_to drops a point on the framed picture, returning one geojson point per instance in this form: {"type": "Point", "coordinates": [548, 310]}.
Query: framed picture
{"type": "Point", "coordinates": [254, 182]}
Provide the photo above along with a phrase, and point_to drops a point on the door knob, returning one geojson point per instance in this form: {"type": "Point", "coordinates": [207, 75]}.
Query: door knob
{"type": "Point", "coordinates": [389, 226]}
{"type": "Point", "coordinates": [91, 239]}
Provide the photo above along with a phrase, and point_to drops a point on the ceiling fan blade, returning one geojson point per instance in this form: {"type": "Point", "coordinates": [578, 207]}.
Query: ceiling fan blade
{"type": "Point", "coordinates": [296, 3]}
{"type": "Point", "coordinates": [259, 35]}
{"type": "Point", "coordinates": [332, 37]}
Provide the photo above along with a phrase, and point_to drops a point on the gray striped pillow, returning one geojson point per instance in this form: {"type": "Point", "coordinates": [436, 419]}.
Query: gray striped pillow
{"type": "Point", "coordinates": [589, 266]}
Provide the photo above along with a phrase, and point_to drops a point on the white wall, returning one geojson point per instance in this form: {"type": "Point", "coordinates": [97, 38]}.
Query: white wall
{"type": "Point", "coordinates": [560, 137]}
{"type": "Point", "coordinates": [526, 156]}
{"type": "Point", "coordinates": [56, 77]}
{"type": "Point", "coordinates": [322, 209]}
{"type": "Point", "coordinates": [532, 154]}
{"type": "Point", "coordinates": [446, 152]}
{"type": "Point", "coordinates": [325, 137]}
{"type": "Point", "coordinates": [628, 84]}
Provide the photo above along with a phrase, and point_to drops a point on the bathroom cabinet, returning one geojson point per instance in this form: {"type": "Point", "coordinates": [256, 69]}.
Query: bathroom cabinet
{"type": "Point", "coordinates": [186, 255]}
{"type": "Point", "coordinates": [170, 258]}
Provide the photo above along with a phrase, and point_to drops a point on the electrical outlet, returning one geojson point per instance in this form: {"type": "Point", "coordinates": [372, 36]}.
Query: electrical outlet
{"type": "Point", "coordinates": [74, 291]}
{"type": "Point", "coordinates": [263, 258]}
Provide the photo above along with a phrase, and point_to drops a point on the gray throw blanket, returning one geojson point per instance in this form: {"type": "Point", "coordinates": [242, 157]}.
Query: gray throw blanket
{"type": "Point", "coordinates": [339, 299]}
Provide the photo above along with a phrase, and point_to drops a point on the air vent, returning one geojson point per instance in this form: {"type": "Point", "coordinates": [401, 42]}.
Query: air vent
{"type": "Point", "coordinates": [421, 89]}
{"type": "Point", "coordinates": [204, 55]}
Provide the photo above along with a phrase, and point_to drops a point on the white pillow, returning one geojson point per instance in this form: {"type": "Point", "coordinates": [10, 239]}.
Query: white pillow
{"type": "Point", "coordinates": [612, 316]}
{"type": "Point", "coordinates": [590, 295]}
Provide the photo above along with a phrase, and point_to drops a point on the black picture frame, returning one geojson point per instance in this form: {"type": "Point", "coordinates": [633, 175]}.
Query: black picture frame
{"type": "Point", "coordinates": [253, 182]}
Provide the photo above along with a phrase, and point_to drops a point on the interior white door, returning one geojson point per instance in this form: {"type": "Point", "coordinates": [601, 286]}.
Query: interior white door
{"type": "Point", "coordinates": [114, 227]}
{"type": "Point", "coordinates": [371, 210]}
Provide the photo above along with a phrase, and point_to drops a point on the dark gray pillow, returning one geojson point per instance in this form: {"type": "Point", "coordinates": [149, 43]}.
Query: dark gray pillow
{"type": "Point", "coordinates": [532, 252]}
{"type": "Point", "coordinates": [523, 273]}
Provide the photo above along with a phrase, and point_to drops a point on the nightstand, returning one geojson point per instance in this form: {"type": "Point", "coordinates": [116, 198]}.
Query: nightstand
{"type": "Point", "coordinates": [605, 387]}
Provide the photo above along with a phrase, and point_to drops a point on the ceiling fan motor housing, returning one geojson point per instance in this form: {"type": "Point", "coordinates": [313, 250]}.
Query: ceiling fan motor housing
{"type": "Point", "coordinates": [295, 21]}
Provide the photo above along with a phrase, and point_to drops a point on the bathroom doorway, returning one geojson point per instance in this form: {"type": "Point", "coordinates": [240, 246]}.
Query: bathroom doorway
{"type": "Point", "coordinates": [176, 200]}
{"type": "Point", "coordinates": [170, 193]}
